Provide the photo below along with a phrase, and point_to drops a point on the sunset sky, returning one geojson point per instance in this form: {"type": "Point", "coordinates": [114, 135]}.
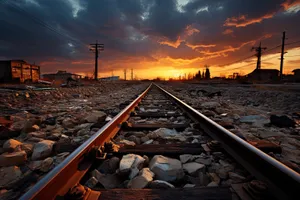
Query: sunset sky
{"type": "Point", "coordinates": [165, 38]}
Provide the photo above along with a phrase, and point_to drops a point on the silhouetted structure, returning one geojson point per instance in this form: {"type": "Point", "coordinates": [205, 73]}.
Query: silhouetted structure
{"type": "Point", "coordinates": [18, 71]}
{"type": "Point", "coordinates": [96, 48]}
{"type": "Point", "coordinates": [61, 75]}
{"type": "Point", "coordinates": [296, 75]}
{"type": "Point", "coordinates": [207, 73]}
{"type": "Point", "coordinates": [258, 54]}
{"type": "Point", "coordinates": [264, 75]}
{"type": "Point", "coordinates": [282, 54]}
{"type": "Point", "coordinates": [110, 78]}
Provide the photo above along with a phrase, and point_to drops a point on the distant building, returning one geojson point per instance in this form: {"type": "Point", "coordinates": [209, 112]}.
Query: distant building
{"type": "Point", "coordinates": [18, 71]}
{"type": "Point", "coordinates": [110, 78]}
{"type": "Point", "coordinates": [296, 74]}
{"type": "Point", "coordinates": [61, 75]}
{"type": "Point", "coordinates": [264, 75]}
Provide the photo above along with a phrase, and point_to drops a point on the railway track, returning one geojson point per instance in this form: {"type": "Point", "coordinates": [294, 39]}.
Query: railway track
{"type": "Point", "coordinates": [177, 153]}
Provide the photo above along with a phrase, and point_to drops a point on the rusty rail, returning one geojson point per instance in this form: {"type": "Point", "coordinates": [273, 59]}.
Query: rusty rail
{"type": "Point", "coordinates": [68, 173]}
{"type": "Point", "coordinates": [281, 180]}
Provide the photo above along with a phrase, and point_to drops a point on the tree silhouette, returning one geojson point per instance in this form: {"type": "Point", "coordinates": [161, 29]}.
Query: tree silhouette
{"type": "Point", "coordinates": [207, 73]}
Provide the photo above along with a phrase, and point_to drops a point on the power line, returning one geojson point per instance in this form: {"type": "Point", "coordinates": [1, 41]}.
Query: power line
{"type": "Point", "coordinates": [237, 61]}
{"type": "Point", "coordinates": [292, 42]}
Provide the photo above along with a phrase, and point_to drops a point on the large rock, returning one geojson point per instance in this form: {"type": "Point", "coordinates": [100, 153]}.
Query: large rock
{"type": "Point", "coordinates": [11, 145]}
{"type": "Point", "coordinates": [282, 121]}
{"type": "Point", "coordinates": [130, 161]}
{"type": "Point", "coordinates": [42, 149]}
{"type": "Point", "coordinates": [166, 133]}
{"type": "Point", "coordinates": [27, 147]}
{"type": "Point", "coordinates": [145, 176]}
{"type": "Point", "coordinates": [159, 184]}
{"type": "Point", "coordinates": [95, 116]}
{"type": "Point", "coordinates": [193, 167]}
{"type": "Point", "coordinates": [38, 134]}
{"type": "Point", "coordinates": [167, 169]}
{"type": "Point", "coordinates": [65, 145]}
{"type": "Point", "coordinates": [11, 159]}
{"type": "Point", "coordinates": [9, 175]}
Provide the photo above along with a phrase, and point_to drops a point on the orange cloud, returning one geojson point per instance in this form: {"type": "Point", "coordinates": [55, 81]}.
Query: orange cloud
{"type": "Point", "coordinates": [227, 31]}
{"type": "Point", "coordinates": [290, 3]}
{"type": "Point", "coordinates": [189, 30]}
{"type": "Point", "coordinates": [200, 45]}
{"type": "Point", "coordinates": [242, 21]}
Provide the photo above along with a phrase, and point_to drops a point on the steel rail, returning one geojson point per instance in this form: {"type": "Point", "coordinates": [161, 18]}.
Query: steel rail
{"type": "Point", "coordinates": [71, 170]}
{"type": "Point", "coordinates": [282, 181]}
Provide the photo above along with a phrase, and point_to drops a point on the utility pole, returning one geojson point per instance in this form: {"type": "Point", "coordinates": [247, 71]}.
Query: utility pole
{"type": "Point", "coordinates": [282, 54]}
{"type": "Point", "coordinates": [258, 54]}
{"type": "Point", "coordinates": [131, 74]}
{"type": "Point", "coordinates": [125, 71]}
{"type": "Point", "coordinates": [96, 48]}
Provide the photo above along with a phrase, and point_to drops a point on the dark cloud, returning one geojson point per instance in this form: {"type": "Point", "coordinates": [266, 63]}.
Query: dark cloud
{"type": "Point", "coordinates": [57, 33]}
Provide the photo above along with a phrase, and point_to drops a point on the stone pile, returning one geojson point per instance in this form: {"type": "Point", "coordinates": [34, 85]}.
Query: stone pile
{"type": "Point", "coordinates": [47, 126]}
{"type": "Point", "coordinates": [160, 172]}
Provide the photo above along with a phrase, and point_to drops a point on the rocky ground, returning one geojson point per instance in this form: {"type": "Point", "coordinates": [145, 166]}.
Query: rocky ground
{"type": "Point", "coordinates": [40, 128]}
{"type": "Point", "coordinates": [256, 113]}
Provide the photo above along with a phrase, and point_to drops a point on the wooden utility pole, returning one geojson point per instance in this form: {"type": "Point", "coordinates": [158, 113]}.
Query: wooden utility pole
{"type": "Point", "coordinates": [282, 54]}
{"type": "Point", "coordinates": [258, 54]}
{"type": "Point", "coordinates": [96, 48]}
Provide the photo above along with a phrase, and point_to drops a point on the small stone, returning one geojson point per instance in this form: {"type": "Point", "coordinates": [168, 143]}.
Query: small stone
{"type": "Point", "coordinates": [167, 169]}
{"type": "Point", "coordinates": [205, 161]}
{"type": "Point", "coordinates": [37, 134]}
{"type": "Point", "coordinates": [185, 157]}
{"type": "Point", "coordinates": [236, 178]}
{"type": "Point", "coordinates": [141, 181]}
{"type": "Point", "coordinates": [134, 172]}
{"type": "Point", "coordinates": [134, 139]}
{"type": "Point", "coordinates": [212, 184]}
{"type": "Point", "coordinates": [11, 144]}
{"type": "Point", "coordinates": [92, 182]}
{"type": "Point", "coordinates": [47, 164]}
{"type": "Point", "coordinates": [9, 175]}
{"type": "Point", "coordinates": [144, 139]}
{"type": "Point", "coordinates": [193, 167]}
{"type": "Point", "coordinates": [210, 105]}
{"type": "Point", "coordinates": [204, 179]}
{"type": "Point", "coordinates": [68, 123]}
{"type": "Point", "coordinates": [126, 142]}
{"type": "Point", "coordinates": [109, 166]}
{"type": "Point", "coordinates": [131, 161]}
{"type": "Point", "coordinates": [159, 184]}
{"type": "Point", "coordinates": [11, 159]}
{"type": "Point", "coordinates": [148, 142]}
{"type": "Point", "coordinates": [42, 149]}
{"type": "Point", "coordinates": [36, 127]}
{"type": "Point", "coordinates": [189, 185]}
{"type": "Point", "coordinates": [34, 165]}
{"type": "Point", "coordinates": [110, 181]}
{"type": "Point", "coordinates": [195, 141]}
{"type": "Point", "coordinates": [95, 116]}
{"type": "Point", "coordinates": [28, 148]}
{"type": "Point", "coordinates": [95, 173]}
{"type": "Point", "coordinates": [215, 178]}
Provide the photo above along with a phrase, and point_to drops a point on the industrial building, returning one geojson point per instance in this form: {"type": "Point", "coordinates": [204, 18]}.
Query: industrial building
{"type": "Point", "coordinates": [61, 76]}
{"type": "Point", "coordinates": [110, 78]}
{"type": "Point", "coordinates": [264, 75]}
{"type": "Point", "coordinates": [18, 71]}
{"type": "Point", "coordinates": [296, 75]}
